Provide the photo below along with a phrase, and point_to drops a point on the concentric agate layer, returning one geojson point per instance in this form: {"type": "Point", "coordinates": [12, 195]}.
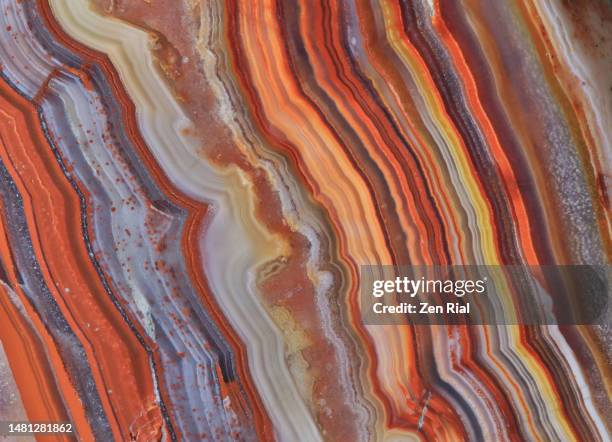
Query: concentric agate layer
{"type": "Point", "coordinates": [189, 188]}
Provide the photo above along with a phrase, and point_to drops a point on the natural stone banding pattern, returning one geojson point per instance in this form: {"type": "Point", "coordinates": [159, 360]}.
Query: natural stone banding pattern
{"type": "Point", "coordinates": [190, 188]}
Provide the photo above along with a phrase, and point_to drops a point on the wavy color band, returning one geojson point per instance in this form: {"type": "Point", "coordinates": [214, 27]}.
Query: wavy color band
{"type": "Point", "coordinates": [188, 190]}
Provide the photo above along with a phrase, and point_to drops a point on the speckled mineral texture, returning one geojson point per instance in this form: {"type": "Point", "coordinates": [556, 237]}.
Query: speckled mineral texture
{"type": "Point", "coordinates": [189, 188]}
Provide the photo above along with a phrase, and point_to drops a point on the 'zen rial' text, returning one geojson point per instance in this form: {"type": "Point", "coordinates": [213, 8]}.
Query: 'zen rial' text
{"type": "Point", "coordinates": [423, 308]}
{"type": "Point", "coordinates": [411, 288]}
